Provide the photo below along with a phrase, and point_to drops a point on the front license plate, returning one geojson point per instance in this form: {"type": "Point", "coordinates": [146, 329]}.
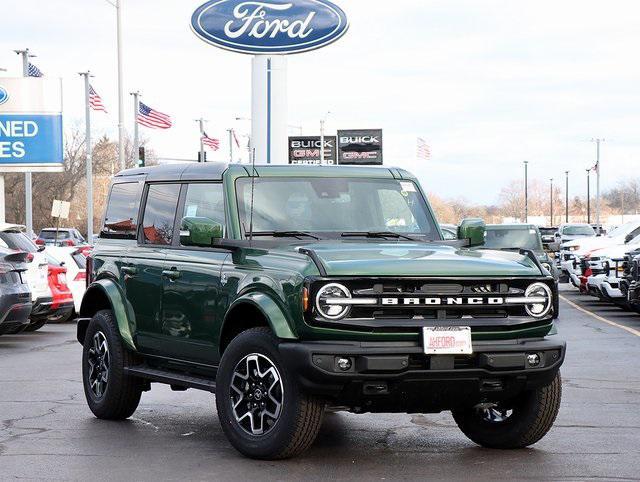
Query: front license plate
{"type": "Point", "coordinates": [447, 340]}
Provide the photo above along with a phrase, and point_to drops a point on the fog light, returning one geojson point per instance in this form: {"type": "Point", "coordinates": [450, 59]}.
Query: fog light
{"type": "Point", "coordinates": [533, 359]}
{"type": "Point", "coordinates": [344, 364]}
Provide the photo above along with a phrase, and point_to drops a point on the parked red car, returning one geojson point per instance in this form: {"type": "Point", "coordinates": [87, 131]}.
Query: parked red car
{"type": "Point", "coordinates": [62, 306]}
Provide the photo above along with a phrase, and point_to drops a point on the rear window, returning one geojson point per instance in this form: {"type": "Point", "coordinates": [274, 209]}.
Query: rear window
{"type": "Point", "coordinates": [122, 211]}
{"type": "Point", "coordinates": [80, 259]}
{"type": "Point", "coordinates": [17, 241]}
{"type": "Point", "coordinates": [52, 235]}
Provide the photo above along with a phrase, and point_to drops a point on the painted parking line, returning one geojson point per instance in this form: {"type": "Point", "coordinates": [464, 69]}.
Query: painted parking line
{"type": "Point", "coordinates": [600, 318]}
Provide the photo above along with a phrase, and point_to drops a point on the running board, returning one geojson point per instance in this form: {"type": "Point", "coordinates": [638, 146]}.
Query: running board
{"type": "Point", "coordinates": [171, 378]}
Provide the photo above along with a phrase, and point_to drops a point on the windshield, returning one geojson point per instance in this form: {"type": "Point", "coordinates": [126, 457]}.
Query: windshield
{"type": "Point", "coordinates": [578, 231]}
{"type": "Point", "coordinates": [329, 206]}
{"type": "Point", "coordinates": [512, 238]}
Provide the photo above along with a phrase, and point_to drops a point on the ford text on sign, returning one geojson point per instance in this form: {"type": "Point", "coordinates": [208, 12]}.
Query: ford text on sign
{"type": "Point", "coordinates": [269, 26]}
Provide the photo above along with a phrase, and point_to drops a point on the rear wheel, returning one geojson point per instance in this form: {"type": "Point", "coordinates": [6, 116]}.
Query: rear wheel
{"type": "Point", "coordinates": [514, 424]}
{"type": "Point", "coordinates": [110, 393]}
{"type": "Point", "coordinates": [262, 410]}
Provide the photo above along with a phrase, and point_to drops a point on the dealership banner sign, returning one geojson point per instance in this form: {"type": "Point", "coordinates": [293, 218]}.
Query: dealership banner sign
{"type": "Point", "coordinates": [31, 135]}
{"type": "Point", "coordinates": [306, 150]}
{"type": "Point", "coordinates": [360, 147]}
{"type": "Point", "coordinates": [269, 26]}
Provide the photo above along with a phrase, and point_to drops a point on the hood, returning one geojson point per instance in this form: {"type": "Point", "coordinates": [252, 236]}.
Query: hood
{"type": "Point", "coordinates": [614, 252]}
{"type": "Point", "coordinates": [590, 243]}
{"type": "Point", "coordinates": [345, 258]}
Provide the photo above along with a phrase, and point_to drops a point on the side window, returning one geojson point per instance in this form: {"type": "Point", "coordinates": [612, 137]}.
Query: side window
{"type": "Point", "coordinates": [160, 213]}
{"type": "Point", "coordinates": [122, 211]}
{"type": "Point", "coordinates": [205, 200]}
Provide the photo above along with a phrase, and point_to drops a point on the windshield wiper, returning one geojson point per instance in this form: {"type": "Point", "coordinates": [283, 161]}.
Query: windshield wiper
{"type": "Point", "coordinates": [376, 234]}
{"type": "Point", "coordinates": [285, 234]}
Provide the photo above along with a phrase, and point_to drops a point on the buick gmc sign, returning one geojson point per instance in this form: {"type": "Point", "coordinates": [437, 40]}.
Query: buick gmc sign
{"type": "Point", "coordinates": [360, 147]}
{"type": "Point", "coordinates": [306, 150]}
{"type": "Point", "coordinates": [269, 26]}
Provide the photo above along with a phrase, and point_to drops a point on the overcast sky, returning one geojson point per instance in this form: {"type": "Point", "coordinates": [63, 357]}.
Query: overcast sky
{"type": "Point", "coordinates": [488, 84]}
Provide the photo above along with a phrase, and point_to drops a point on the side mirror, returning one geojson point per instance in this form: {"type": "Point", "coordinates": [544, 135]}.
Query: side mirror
{"type": "Point", "coordinates": [198, 231]}
{"type": "Point", "coordinates": [472, 230]}
{"type": "Point", "coordinates": [41, 248]}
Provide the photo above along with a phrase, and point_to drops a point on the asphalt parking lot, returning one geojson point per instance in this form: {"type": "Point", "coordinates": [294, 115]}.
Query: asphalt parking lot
{"type": "Point", "coordinates": [47, 432]}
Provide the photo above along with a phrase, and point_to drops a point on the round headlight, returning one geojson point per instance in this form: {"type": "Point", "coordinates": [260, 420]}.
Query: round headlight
{"type": "Point", "coordinates": [328, 301]}
{"type": "Point", "coordinates": [543, 293]}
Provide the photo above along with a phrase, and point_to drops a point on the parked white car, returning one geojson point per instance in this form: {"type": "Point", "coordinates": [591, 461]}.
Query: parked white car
{"type": "Point", "coordinates": [571, 232]}
{"type": "Point", "coordinates": [572, 251]}
{"type": "Point", "coordinates": [75, 260]}
{"type": "Point", "coordinates": [606, 266]}
{"type": "Point", "coordinates": [12, 236]}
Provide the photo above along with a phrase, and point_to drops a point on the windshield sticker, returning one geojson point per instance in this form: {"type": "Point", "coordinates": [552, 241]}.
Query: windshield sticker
{"type": "Point", "coordinates": [408, 186]}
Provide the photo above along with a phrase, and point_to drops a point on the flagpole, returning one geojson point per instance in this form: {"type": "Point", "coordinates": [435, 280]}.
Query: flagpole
{"type": "Point", "coordinates": [201, 125]}
{"type": "Point", "coordinates": [598, 226]}
{"type": "Point", "coordinates": [28, 193]}
{"type": "Point", "coordinates": [136, 139]}
{"type": "Point", "coordinates": [230, 131]}
{"type": "Point", "coordinates": [88, 147]}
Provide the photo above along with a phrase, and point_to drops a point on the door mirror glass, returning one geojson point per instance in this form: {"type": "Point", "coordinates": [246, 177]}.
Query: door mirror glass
{"type": "Point", "coordinates": [199, 231]}
{"type": "Point", "coordinates": [472, 230]}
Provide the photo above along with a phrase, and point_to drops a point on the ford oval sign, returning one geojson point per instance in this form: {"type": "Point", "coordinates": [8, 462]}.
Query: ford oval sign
{"type": "Point", "coordinates": [269, 26]}
{"type": "Point", "coordinates": [4, 95]}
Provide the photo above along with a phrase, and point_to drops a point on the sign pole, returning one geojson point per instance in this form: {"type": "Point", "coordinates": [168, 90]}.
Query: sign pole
{"type": "Point", "coordinates": [201, 126]}
{"type": "Point", "coordinates": [136, 139]}
{"type": "Point", "coordinates": [322, 142]}
{"type": "Point", "coordinates": [28, 208]}
{"type": "Point", "coordinates": [89, 148]}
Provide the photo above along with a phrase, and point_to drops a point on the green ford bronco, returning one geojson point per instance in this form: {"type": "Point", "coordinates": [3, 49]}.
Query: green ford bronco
{"type": "Point", "coordinates": [288, 290]}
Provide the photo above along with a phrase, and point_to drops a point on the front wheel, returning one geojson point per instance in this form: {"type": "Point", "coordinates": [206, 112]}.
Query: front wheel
{"type": "Point", "coordinates": [513, 424]}
{"type": "Point", "coordinates": [262, 410]}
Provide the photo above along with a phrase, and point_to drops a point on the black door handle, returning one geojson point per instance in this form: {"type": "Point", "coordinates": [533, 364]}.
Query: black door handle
{"type": "Point", "coordinates": [172, 274]}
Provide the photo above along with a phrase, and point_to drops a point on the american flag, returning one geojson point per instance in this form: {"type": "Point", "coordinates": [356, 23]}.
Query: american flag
{"type": "Point", "coordinates": [214, 144]}
{"type": "Point", "coordinates": [152, 118]}
{"type": "Point", "coordinates": [34, 71]}
{"type": "Point", "coordinates": [423, 149]}
{"type": "Point", "coordinates": [95, 101]}
{"type": "Point", "coordinates": [595, 167]}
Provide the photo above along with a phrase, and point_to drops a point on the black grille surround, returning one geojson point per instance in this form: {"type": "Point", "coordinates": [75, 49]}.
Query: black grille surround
{"type": "Point", "coordinates": [387, 318]}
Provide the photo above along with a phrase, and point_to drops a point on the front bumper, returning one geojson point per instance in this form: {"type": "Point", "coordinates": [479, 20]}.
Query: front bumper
{"type": "Point", "coordinates": [399, 377]}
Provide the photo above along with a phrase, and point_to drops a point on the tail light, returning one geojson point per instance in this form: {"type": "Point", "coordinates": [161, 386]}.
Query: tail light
{"type": "Point", "coordinates": [30, 257]}
{"type": "Point", "coordinates": [88, 274]}
{"type": "Point", "coordinates": [82, 275]}
{"type": "Point", "coordinates": [69, 242]}
{"type": "Point", "coordinates": [40, 241]}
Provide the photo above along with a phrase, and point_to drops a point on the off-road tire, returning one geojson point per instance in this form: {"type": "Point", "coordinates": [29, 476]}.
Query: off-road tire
{"type": "Point", "coordinates": [122, 393]}
{"type": "Point", "coordinates": [533, 415]}
{"type": "Point", "coordinates": [301, 414]}
{"type": "Point", "coordinates": [35, 325]}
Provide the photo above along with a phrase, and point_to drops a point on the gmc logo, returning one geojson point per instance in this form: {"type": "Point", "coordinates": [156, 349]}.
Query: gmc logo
{"type": "Point", "coordinates": [442, 301]}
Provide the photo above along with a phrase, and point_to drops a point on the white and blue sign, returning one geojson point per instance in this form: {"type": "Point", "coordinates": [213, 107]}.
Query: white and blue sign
{"type": "Point", "coordinates": [269, 26]}
{"type": "Point", "coordinates": [30, 139]}
{"type": "Point", "coordinates": [31, 131]}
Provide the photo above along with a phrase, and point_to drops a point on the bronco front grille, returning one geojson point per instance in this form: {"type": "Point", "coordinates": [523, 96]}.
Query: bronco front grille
{"type": "Point", "coordinates": [395, 305]}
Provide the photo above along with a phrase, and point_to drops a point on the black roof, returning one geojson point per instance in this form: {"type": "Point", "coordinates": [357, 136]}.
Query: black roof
{"type": "Point", "coordinates": [172, 172]}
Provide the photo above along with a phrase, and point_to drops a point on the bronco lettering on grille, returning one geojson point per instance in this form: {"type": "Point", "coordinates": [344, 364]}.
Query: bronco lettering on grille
{"type": "Point", "coordinates": [443, 301]}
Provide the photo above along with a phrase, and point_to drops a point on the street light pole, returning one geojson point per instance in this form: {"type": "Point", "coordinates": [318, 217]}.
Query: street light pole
{"type": "Point", "coordinates": [526, 192]}
{"type": "Point", "coordinates": [588, 196]}
{"type": "Point", "coordinates": [28, 193]}
{"type": "Point", "coordinates": [136, 136]}
{"type": "Point", "coordinates": [598, 226]}
{"type": "Point", "coordinates": [89, 157]}
{"type": "Point", "coordinates": [118, 5]}
{"type": "Point", "coordinates": [566, 197]}
{"type": "Point", "coordinates": [230, 131]}
{"type": "Point", "coordinates": [551, 202]}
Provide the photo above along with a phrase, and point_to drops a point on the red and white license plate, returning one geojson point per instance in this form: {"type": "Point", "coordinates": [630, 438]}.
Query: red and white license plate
{"type": "Point", "coordinates": [447, 340]}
